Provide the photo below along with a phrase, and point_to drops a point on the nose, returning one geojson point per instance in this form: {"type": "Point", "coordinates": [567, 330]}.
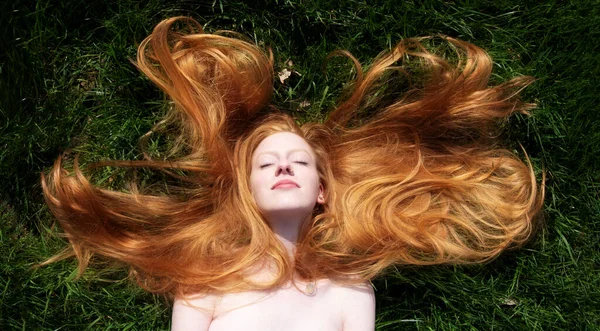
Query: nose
{"type": "Point", "coordinates": [284, 168]}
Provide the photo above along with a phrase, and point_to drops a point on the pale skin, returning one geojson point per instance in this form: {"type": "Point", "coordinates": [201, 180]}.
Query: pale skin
{"type": "Point", "coordinates": [286, 186]}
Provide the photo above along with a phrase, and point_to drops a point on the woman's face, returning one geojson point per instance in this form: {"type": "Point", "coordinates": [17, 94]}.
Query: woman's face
{"type": "Point", "coordinates": [284, 178]}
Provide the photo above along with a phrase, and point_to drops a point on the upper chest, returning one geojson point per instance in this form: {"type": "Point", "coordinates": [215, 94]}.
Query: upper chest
{"type": "Point", "coordinates": [287, 308]}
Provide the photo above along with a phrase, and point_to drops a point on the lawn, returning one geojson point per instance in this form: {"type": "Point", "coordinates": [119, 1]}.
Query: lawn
{"type": "Point", "coordinates": [67, 85]}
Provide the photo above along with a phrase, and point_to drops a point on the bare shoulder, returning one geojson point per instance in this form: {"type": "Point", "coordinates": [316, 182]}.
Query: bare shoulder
{"type": "Point", "coordinates": [358, 307]}
{"type": "Point", "coordinates": [363, 291]}
{"type": "Point", "coordinates": [194, 312]}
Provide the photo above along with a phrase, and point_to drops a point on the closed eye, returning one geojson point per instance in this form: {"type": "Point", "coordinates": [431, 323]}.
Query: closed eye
{"type": "Point", "coordinates": [301, 162]}
{"type": "Point", "coordinates": [262, 166]}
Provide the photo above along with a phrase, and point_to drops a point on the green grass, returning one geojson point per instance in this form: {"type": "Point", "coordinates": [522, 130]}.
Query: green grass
{"type": "Point", "coordinates": [66, 83]}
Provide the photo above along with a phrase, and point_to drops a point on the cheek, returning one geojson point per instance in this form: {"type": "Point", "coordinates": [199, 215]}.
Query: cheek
{"type": "Point", "coordinates": [257, 185]}
{"type": "Point", "coordinates": [316, 181]}
{"type": "Point", "coordinates": [253, 183]}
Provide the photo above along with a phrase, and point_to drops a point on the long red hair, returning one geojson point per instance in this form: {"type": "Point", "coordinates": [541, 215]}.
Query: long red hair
{"type": "Point", "coordinates": [420, 180]}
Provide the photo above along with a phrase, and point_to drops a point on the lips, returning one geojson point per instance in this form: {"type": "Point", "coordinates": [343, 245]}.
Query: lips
{"type": "Point", "coordinates": [285, 183]}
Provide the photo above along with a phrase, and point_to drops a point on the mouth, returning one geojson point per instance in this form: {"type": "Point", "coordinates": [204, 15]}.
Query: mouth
{"type": "Point", "coordinates": [285, 183]}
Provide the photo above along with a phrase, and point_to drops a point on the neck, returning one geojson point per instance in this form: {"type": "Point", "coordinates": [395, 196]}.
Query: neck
{"type": "Point", "coordinates": [287, 230]}
{"type": "Point", "coordinates": [286, 233]}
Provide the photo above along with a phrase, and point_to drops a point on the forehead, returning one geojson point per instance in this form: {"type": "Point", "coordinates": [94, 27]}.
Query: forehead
{"type": "Point", "coordinates": [281, 142]}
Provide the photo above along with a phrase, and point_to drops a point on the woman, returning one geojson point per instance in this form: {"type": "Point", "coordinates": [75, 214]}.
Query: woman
{"type": "Point", "coordinates": [286, 186]}
{"type": "Point", "coordinates": [293, 221]}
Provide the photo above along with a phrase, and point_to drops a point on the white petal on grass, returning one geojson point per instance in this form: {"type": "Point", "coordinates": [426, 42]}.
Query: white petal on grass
{"type": "Point", "coordinates": [284, 74]}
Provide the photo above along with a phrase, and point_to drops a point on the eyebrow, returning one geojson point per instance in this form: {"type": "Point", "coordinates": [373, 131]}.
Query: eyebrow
{"type": "Point", "coordinates": [290, 152]}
